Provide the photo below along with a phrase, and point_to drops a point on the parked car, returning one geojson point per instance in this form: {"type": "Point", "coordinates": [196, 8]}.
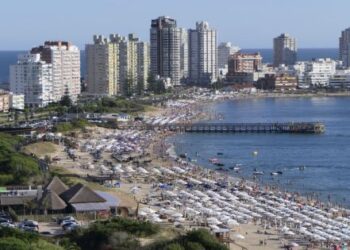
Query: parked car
{"type": "Point", "coordinates": [4, 215]}
{"type": "Point", "coordinates": [7, 224]}
{"type": "Point", "coordinates": [5, 220]}
{"type": "Point", "coordinates": [66, 218]}
{"type": "Point", "coordinates": [29, 225]}
{"type": "Point", "coordinates": [70, 226]}
{"type": "Point", "coordinates": [67, 222]}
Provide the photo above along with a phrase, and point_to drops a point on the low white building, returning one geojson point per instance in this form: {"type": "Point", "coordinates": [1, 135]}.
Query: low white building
{"type": "Point", "coordinates": [311, 73]}
{"type": "Point", "coordinates": [318, 72]}
{"type": "Point", "coordinates": [17, 101]}
{"type": "Point", "coordinates": [341, 79]}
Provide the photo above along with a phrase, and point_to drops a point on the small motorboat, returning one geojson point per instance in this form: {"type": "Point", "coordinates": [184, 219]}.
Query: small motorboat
{"type": "Point", "coordinates": [213, 160]}
{"type": "Point", "coordinates": [219, 164]}
{"type": "Point", "coordinates": [183, 156]}
{"type": "Point", "coordinates": [255, 153]}
{"type": "Point", "coordinates": [220, 153]}
{"type": "Point", "coordinates": [258, 173]}
{"type": "Point", "coordinates": [302, 168]}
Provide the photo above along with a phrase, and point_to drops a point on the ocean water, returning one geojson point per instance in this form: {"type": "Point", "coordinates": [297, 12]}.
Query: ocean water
{"type": "Point", "coordinates": [303, 54]}
{"type": "Point", "coordinates": [326, 157]}
{"type": "Point", "coordinates": [10, 57]}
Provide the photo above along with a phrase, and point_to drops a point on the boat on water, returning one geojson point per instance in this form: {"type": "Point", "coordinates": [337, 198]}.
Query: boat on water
{"type": "Point", "coordinates": [302, 168]}
{"type": "Point", "coordinates": [255, 152]}
{"type": "Point", "coordinates": [276, 173]}
{"type": "Point", "coordinates": [221, 169]}
{"type": "Point", "coordinates": [214, 160]}
{"type": "Point", "coordinates": [219, 164]}
{"type": "Point", "coordinates": [220, 153]}
{"type": "Point", "coordinates": [256, 172]}
{"type": "Point", "coordinates": [183, 156]}
{"type": "Point", "coordinates": [235, 168]}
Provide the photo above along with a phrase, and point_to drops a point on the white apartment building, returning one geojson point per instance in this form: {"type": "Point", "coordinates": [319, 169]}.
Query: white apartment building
{"type": "Point", "coordinates": [165, 39]}
{"type": "Point", "coordinates": [318, 72]}
{"type": "Point", "coordinates": [65, 60]}
{"type": "Point", "coordinates": [203, 68]}
{"type": "Point", "coordinates": [183, 54]}
{"type": "Point", "coordinates": [315, 73]}
{"type": "Point", "coordinates": [284, 50]}
{"type": "Point", "coordinates": [32, 77]}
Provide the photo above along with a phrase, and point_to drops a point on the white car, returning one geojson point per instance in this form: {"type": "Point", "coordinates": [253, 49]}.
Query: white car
{"type": "Point", "coordinates": [7, 224]}
{"type": "Point", "coordinates": [64, 222]}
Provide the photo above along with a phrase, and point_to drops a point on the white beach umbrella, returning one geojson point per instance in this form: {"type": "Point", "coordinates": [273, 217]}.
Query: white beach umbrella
{"type": "Point", "coordinates": [238, 236]}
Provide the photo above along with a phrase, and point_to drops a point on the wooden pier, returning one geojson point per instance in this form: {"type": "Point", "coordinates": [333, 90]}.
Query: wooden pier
{"type": "Point", "coordinates": [285, 127]}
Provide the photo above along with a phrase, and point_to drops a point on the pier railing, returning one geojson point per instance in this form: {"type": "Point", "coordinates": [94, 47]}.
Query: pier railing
{"type": "Point", "coordinates": [284, 127]}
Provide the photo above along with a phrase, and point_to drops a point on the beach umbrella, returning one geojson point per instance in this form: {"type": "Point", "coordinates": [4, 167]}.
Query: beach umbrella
{"type": "Point", "coordinates": [170, 193]}
{"type": "Point", "coordinates": [148, 210]}
{"type": "Point", "coordinates": [155, 170]}
{"type": "Point", "coordinates": [232, 223]}
{"type": "Point", "coordinates": [142, 170]}
{"type": "Point", "coordinates": [178, 215]}
{"type": "Point", "coordinates": [182, 182]}
{"type": "Point", "coordinates": [134, 190]}
{"type": "Point", "coordinates": [294, 244]}
{"type": "Point", "coordinates": [238, 236]}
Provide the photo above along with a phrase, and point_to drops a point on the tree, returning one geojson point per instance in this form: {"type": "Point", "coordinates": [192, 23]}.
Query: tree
{"type": "Point", "coordinates": [140, 87]}
{"type": "Point", "coordinates": [16, 116]}
{"type": "Point", "coordinates": [174, 246]}
{"type": "Point", "coordinates": [66, 101]}
{"type": "Point", "coordinates": [26, 114]}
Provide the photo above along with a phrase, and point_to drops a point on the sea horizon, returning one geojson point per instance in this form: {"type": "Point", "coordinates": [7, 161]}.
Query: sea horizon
{"type": "Point", "coordinates": [9, 57]}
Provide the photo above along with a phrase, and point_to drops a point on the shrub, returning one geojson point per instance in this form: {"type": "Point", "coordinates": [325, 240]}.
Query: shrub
{"type": "Point", "coordinates": [11, 243]}
{"type": "Point", "coordinates": [15, 167]}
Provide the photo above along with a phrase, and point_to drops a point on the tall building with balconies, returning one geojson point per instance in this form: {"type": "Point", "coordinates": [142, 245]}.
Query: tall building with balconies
{"type": "Point", "coordinates": [65, 60]}
{"type": "Point", "coordinates": [184, 60]}
{"type": "Point", "coordinates": [33, 78]}
{"type": "Point", "coordinates": [143, 66]}
{"type": "Point", "coordinates": [203, 68]}
{"type": "Point", "coordinates": [102, 59]}
{"type": "Point", "coordinates": [165, 49]}
{"type": "Point", "coordinates": [128, 63]}
{"type": "Point", "coordinates": [284, 50]}
{"type": "Point", "coordinates": [117, 66]}
{"type": "Point", "coordinates": [344, 47]}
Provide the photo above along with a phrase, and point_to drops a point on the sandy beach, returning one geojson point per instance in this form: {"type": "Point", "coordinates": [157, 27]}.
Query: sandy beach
{"type": "Point", "coordinates": [173, 191]}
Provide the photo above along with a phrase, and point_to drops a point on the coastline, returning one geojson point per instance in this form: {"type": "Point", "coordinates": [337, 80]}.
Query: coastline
{"type": "Point", "coordinates": [251, 230]}
{"type": "Point", "coordinates": [175, 192]}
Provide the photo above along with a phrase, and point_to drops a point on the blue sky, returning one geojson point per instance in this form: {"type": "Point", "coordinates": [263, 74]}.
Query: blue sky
{"type": "Point", "coordinates": [247, 23]}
